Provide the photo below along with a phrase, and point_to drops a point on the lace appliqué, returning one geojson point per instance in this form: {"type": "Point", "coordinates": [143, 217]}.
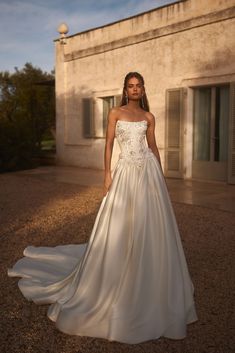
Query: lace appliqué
{"type": "Point", "coordinates": [131, 138]}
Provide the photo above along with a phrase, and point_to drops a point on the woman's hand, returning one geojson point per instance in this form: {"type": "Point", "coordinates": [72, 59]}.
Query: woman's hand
{"type": "Point", "coordinates": [107, 183]}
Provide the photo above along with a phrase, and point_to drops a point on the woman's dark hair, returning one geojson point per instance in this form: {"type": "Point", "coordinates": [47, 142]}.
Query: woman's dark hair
{"type": "Point", "coordinates": [144, 104]}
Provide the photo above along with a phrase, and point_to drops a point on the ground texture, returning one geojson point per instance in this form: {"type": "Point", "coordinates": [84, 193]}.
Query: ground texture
{"type": "Point", "coordinates": [40, 212]}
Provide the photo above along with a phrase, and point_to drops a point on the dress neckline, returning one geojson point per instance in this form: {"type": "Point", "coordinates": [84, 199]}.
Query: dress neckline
{"type": "Point", "coordinates": [127, 121]}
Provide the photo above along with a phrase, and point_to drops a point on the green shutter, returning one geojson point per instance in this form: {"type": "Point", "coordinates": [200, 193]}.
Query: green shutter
{"type": "Point", "coordinates": [88, 128]}
{"type": "Point", "coordinates": [174, 135]}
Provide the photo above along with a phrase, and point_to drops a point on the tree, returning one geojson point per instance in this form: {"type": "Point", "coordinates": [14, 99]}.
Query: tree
{"type": "Point", "coordinates": [27, 112]}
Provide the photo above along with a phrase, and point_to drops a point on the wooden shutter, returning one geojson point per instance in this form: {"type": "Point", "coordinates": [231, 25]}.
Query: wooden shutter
{"type": "Point", "coordinates": [231, 144]}
{"type": "Point", "coordinates": [87, 117]}
{"type": "Point", "coordinates": [174, 133]}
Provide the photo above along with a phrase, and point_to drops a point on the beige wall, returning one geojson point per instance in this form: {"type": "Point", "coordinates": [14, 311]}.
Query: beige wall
{"type": "Point", "coordinates": [181, 45]}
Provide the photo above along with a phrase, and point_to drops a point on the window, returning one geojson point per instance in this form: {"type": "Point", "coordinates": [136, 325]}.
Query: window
{"type": "Point", "coordinates": [95, 113]}
{"type": "Point", "coordinates": [202, 116]}
{"type": "Point", "coordinates": [211, 116]}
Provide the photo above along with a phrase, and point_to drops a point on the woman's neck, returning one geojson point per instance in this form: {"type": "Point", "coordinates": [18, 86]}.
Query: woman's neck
{"type": "Point", "coordinates": [133, 105]}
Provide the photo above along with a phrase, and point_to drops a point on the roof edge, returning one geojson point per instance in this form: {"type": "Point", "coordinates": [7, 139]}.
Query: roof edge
{"type": "Point", "coordinates": [122, 20]}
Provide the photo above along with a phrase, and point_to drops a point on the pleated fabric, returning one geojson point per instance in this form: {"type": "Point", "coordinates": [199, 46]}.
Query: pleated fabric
{"type": "Point", "coordinates": [130, 282]}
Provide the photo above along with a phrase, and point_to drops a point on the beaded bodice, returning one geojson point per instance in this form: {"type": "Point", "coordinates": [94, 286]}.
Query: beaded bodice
{"type": "Point", "coordinates": [131, 139]}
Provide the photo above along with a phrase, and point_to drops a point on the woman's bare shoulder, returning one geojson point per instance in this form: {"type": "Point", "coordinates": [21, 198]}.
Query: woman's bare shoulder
{"type": "Point", "coordinates": [114, 113]}
{"type": "Point", "coordinates": [150, 117]}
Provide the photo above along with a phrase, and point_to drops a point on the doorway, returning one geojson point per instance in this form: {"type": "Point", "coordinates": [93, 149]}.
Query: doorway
{"type": "Point", "coordinates": [210, 132]}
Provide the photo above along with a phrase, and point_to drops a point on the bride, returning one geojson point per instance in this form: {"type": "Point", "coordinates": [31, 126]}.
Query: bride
{"type": "Point", "coordinates": [130, 282]}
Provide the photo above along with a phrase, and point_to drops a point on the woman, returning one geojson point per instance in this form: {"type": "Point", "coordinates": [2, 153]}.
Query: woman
{"type": "Point", "coordinates": [130, 282]}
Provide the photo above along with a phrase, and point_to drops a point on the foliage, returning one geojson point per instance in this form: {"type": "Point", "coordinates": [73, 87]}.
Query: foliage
{"type": "Point", "coordinates": [27, 112]}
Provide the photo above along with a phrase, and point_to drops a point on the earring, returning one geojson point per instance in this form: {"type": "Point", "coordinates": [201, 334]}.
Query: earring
{"type": "Point", "coordinates": [126, 96]}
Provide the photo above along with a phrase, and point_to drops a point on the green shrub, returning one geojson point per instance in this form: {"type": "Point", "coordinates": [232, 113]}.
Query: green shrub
{"type": "Point", "coordinates": [27, 112]}
{"type": "Point", "coordinates": [16, 146]}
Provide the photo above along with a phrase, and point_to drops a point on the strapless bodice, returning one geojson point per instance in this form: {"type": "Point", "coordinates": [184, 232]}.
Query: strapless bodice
{"type": "Point", "coordinates": [131, 139]}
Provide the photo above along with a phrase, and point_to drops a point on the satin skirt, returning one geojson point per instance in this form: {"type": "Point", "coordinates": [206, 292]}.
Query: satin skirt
{"type": "Point", "coordinates": [130, 282]}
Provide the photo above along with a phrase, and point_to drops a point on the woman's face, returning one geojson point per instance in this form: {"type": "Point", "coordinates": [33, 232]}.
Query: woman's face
{"type": "Point", "coordinates": [134, 89]}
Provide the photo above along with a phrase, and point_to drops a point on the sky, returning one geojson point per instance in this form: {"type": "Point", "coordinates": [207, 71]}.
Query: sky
{"type": "Point", "coordinates": [28, 27]}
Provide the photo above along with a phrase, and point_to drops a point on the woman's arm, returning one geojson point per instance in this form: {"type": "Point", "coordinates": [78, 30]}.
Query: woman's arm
{"type": "Point", "coordinates": [110, 135]}
{"type": "Point", "coordinates": [150, 135]}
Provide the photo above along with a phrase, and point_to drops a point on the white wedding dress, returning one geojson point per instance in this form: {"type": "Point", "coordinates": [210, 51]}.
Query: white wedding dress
{"type": "Point", "coordinates": [130, 282]}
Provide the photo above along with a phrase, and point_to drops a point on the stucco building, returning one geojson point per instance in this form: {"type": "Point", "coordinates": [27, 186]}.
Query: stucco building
{"type": "Point", "coordinates": [186, 53]}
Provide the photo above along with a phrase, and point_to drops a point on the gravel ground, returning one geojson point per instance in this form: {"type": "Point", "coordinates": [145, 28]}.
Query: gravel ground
{"type": "Point", "coordinates": [40, 212]}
